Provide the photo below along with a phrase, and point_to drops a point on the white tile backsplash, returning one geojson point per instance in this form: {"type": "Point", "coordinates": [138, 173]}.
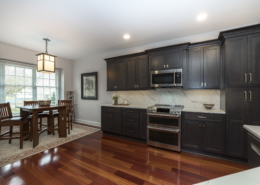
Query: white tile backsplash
{"type": "Point", "coordinates": [188, 98]}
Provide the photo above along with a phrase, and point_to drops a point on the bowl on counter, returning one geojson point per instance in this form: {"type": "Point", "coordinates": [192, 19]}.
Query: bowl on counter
{"type": "Point", "coordinates": [209, 106]}
{"type": "Point", "coordinates": [44, 102]}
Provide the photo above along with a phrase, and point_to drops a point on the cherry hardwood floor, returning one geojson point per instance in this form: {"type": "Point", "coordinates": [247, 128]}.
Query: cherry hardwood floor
{"type": "Point", "coordinates": [99, 159]}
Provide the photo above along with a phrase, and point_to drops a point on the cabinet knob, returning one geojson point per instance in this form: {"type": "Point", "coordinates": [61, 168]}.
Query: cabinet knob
{"type": "Point", "coordinates": [201, 84]}
{"type": "Point", "coordinates": [205, 84]}
{"type": "Point", "coordinates": [250, 77]}
{"type": "Point", "coordinates": [250, 95]}
{"type": "Point", "coordinates": [167, 65]}
{"type": "Point", "coordinates": [245, 77]}
{"type": "Point", "coordinates": [163, 66]}
{"type": "Point", "coordinates": [245, 95]}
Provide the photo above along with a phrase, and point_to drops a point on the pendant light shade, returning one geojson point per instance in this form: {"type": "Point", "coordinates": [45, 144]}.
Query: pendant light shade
{"type": "Point", "coordinates": [45, 61]}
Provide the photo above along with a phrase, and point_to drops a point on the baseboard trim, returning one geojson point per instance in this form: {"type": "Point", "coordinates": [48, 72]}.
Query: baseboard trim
{"type": "Point", "coordinates": [87, 122]}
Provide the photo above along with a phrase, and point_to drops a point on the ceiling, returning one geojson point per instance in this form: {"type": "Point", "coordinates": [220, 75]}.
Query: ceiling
{"type": "Point", "coordinates": [79, 28]}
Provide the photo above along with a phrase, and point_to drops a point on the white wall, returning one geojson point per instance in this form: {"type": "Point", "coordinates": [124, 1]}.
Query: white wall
{"type": "Point", "coordinates": [24, 55]}
{"type": "Point", "coordinates": [89, 111]}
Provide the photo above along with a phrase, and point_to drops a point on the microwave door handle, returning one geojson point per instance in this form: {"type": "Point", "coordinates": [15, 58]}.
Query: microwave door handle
{"type": "Point", "coordinates": [174, 84]}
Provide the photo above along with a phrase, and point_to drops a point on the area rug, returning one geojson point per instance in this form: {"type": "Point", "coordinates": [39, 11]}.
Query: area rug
{"type": "Point", "coordinates": [10, 153]}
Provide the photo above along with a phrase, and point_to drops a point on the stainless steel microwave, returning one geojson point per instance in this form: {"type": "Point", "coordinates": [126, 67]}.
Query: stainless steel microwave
{"type": "Point", "coordinates": [166, 78]}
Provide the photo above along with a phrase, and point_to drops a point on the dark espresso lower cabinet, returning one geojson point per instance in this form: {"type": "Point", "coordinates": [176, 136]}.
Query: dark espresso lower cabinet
{"type": "Point", "coordinates": [205, 134]}
{"type": "Point", "coordinates": [111, 120]}
{"type": "Point", "coordinates": [129, 122]}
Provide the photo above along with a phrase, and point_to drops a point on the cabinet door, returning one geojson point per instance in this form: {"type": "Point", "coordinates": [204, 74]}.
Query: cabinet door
{"type": "Point", "coordinates": [142, 72]}
{"type": "Point", "coordinates": [157, 61]}
{"type": "Point", "coordinates": [111, 76]}
{"type": "Point", "coordinates": [236, 117]}
{"type": "Point", "coordinates": [195, 68]}
{"type": "Point", "coordinates": [211, 70]}
{"type": "Point", "coordinates": [254, 60]}
{"type": "Point", "coordinates": [174, 59]}
{"type": "Point", "coordinates": [213, 137]}
{"type": "Point", "coordinates": [191, 134]}
{"type": "Point", "coordinates": [253, 106]}
{"type": "Point", "coordinates": [143, 124]}
{"type": "Point", "coordinates": [236, 61]}
{"type": "Point", "coordinates": [117, 123]}
{"type": "Point", "coordinates": [121, 75]}
{"type": "Point", "coordinates": [236, 140]}
{"type": "Point", "coordinates": [106, 121]}
{"type": "Point", "coordinates": [131, 73]}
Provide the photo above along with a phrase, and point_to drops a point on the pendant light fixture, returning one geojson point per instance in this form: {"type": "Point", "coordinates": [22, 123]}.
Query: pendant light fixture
{"type": "Point", "coordinates": [45, 61]}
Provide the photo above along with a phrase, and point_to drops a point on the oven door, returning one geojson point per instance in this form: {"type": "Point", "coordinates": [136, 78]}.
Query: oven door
{"type": "Point", "coordinates": [162, 78]}
{"type": "Point", "coordinates": [163, 137]}
{"type": "Point", "coordinates": [164, 121]}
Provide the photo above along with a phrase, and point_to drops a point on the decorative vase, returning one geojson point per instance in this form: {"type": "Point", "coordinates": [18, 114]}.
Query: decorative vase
{"type": "Point", "coordinates": [115, 102]}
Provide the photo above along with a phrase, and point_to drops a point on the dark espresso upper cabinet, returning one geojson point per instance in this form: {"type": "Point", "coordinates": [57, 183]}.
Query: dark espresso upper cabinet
{"type": "Point", "coordinates": [203, 67]}
{"type": "Point", "coordinates": [157, 61]}
{"type": "Point", "coordinates": [254, 60]}
{"type": "Point", "coordinates": [142, 72]}
{"type": "Point", "coordinates": [236, 61]}
{"type": "Point", "coordinates": [137, 73]}
{"type": "Point", "coordinates": [242, 58]}
{"type": "Point", "coordinates": [212, 73]}
{"type": "Point", "coordinates": [116, 75]}
{"type": "Point", "coordinates": [169, 57]}
{"type": "Point", "coordinates": [195, 68]}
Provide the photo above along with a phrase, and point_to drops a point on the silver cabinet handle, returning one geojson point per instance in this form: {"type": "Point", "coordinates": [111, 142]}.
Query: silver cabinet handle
{"type": "Point", "coordinates": [255, 148]}
{"type": "Point", "coordinates": [250, 77]}
{"type": "Point", "coordinates": [205, 84]}
{"type": "Point", "coordinates": [167, 65]}
{"type": "Point", "coordinates": [202, 117]}
{"type": "Point", "coordinates": [201, 84]}
{"type": "Point", "coordinates": [163, 66]}
{"type": "Point", "coordinates": [250, 95]}
{"type": "Point", "coordinates": [245, 77]}
{"type": "Point", "coordinates": [245, 95]}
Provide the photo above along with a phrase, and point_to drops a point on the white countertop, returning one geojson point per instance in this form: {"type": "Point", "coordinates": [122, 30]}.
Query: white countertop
{"type": "Point", "coordinates": [204, 110]}
{"type": "Point", "coordinates": [200, 110]}
{"type": "Point", "coordinates": [127, 106]}
{"type": "Point", "coordinates": [255, 130]}
{"type": "Point", "coordinates": [248, 177]}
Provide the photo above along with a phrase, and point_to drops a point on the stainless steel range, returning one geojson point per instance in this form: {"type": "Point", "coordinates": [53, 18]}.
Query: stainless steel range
{"type": "Point", "coordinates": [164, 126]}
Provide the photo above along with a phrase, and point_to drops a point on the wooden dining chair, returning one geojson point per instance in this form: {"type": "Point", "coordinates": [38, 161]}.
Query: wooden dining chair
{"type": "Point", "coordinates": [68, 103]}
{"type": "Point", "coordinates": [40, 114]}
{"type": "Point", "coordinates": [7, 119]}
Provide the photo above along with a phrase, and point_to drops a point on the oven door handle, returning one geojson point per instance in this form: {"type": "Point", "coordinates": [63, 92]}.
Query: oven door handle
{"type": "Point", "coordinates": [164, 129]}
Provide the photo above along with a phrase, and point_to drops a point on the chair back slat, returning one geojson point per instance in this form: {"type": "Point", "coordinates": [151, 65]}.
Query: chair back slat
{"type": "Point", "coordinates": [26, 103]}
{"type": "Point", "coordinates": [68, 103]}
{"type": "Point", "coordinates": [5, 111]}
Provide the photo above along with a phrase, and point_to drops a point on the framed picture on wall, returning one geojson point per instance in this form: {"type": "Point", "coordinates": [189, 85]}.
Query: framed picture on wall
{"type": "Point", "coordinates": [89, 86]}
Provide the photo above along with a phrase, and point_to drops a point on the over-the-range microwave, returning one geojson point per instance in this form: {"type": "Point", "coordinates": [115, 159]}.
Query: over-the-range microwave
{"type": "Point", "coordinates": [166, 78]}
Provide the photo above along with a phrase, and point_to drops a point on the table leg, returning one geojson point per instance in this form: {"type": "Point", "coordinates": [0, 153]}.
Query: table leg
{"type": "Point", "coordinates": [62, 123]}
{"type": "Point", "coordinates": [35, 129]}
{"type": "Point", "coordinates": [26, 127]}
{"type": "Point", "coordinates": [50, 122]}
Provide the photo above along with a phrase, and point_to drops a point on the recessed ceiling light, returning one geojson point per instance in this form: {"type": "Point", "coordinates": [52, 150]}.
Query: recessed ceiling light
{"type": "Point", "coordinates": [202, 17]}
{"type": "Point", "coordinates": [126, 36]}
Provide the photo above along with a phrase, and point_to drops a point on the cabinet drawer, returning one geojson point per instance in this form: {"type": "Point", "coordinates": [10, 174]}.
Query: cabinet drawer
{"type": "Point", "coordinates": [112, 109]}
{"type": "Point", "coordinates": [131, 118]}
{"type": "Point", "coordinates": [131, 129]}
{"type": "Point", "coordinates": [131, 111]}
{"type": "Point", "coordinates": [204, 117]}
{"type": "Point", "coordinates": [253, 152]}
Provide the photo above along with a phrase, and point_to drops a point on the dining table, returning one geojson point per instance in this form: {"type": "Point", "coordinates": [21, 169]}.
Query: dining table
{"type": "Point", "coordinates": [33, 110]}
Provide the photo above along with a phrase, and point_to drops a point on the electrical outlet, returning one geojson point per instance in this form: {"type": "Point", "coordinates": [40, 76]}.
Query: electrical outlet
{"type": "Point", "coordinates": [200, 98]}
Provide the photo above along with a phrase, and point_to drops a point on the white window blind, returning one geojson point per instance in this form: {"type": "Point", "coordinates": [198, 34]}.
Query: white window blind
{"type": "Point", "coordinates": [22, 82]}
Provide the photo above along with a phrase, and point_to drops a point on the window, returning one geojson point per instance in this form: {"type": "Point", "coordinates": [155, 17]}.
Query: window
{"type": "Point", "coordinates": [21, 83]}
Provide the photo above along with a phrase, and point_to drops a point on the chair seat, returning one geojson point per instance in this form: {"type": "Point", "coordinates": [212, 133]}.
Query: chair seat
{"type": "Point", "coordinates": [15, 119]}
